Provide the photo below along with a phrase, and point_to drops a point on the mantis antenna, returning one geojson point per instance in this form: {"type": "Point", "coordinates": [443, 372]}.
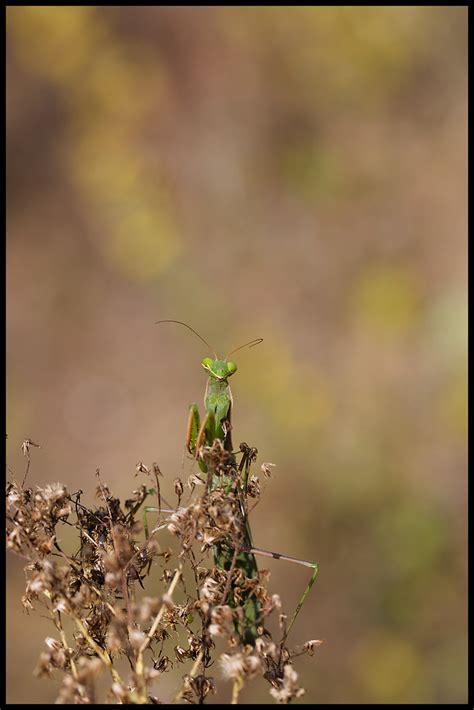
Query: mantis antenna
{"type": "Point", "coordinates": [192, 330]}
{"type": "Point", "coordinates": [250, 344]}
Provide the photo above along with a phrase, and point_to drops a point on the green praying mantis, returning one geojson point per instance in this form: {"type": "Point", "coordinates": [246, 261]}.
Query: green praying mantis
{"type": "Point", "coordinates": [216, 426]}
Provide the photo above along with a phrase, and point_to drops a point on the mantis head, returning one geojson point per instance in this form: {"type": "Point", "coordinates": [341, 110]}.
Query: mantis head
{"type": "Point", "coordinates": [220, 369]}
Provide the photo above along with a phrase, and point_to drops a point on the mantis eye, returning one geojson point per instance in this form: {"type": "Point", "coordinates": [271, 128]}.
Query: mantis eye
{"type": "Point", "coordinates": [231, 367]}
{"type": "Point", "coordinates": [207, 362]}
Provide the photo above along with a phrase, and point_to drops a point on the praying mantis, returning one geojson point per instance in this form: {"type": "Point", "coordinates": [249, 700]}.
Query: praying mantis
{"type": "Point", "coordinates": [216, 426]}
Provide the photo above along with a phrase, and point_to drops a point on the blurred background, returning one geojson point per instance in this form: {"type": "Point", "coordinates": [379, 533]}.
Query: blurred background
{"type": "Point", "coordinates": [292, 174]}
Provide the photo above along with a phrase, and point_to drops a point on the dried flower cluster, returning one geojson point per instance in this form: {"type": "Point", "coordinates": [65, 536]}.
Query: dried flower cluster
{"type": "Point", "coordinates": [94, 570]}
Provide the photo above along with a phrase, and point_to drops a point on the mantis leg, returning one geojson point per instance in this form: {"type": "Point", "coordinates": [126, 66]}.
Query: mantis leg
{"type": "Point", "coordinates": [146, 510]}
{"type": "Point", "coordinates": [193, 428]}
{"type": "Point", "coordinates": [154, 509]}
{"type": "Point", "coordinates": [199, 433]}
{"type": "Point", "coordinates": [207, 432]}
{"type": "Point", "coordinates": [277, 556]}
{"type": "Point", "coordinates": [202, 437]}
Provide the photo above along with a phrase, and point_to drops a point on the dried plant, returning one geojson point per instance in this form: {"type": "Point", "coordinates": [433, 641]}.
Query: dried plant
{"type": "Point", "coordinates": [103, 600]}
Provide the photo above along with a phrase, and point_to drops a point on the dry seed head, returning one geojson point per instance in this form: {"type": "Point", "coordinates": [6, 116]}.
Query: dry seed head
{"type": "Point", "coordinates": [216, 630]}
{"type": "Point", "coordinates": [221, 614]}
{"type": "Point", "coordinates": [163, 665]}
{"type": "Point", "coordinates": [289, 688]}
{"type": "Point", "coordinates": [61, 606]}
{"type": "Point", "coordinates": [182, 654]}
{"type": "Point", "coordinates": [178, 488]}
{"type": "Point", "coordinates": [266, 469]}
{"type": "Point", "coordinates": [25, 447]}
{"type": "Point", "coordinates": [35, 586]}
{"type": "Point", "coordinates": [210, 590]}
{"type": "Point", "coordinates": [119, 691]}
{"type": "Point", "coordinates": [233, 641]}
{"type": "Point", "coordinates": [52, 643]}
{"type": "Point", "coordinates": [136, 638]}
{"type": "Point", "coordinates": [113, 580]}
{"type": "Point", "coordinates": [276, 601]}
{"type": "Point", "coordinates": [156, 469]}
{"type": "Point", "coordinates": [54, 491]}
{"type": "Point", "coordinates": [44, 666]}
{"type": "Point", "coordinates": [89, 667]}
{"type": "Point", "coordinates": [151, 673]}
{"type": "Point", "coordinates": [193, 481]}
{"type": "Point", "coordinates": [310, 646]}
{"type": "Point", "coordinates": [232, 665]}
{"type": "Point", "coordinates": [253, 487]}
{"type": "Point", "coordinates": [14, 496]}
{"type": "Point", "coordinates": [149, 607]}
{"type": "Point", "coordinates": [14, 539]}
{"type": "Point", "coordinates": [244, 665]}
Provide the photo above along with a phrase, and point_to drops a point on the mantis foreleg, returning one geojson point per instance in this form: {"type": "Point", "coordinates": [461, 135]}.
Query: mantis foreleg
{"type": "Point", "coordinates": [193, 428]}
{"type": "Point", "coordinates": [199, 434]}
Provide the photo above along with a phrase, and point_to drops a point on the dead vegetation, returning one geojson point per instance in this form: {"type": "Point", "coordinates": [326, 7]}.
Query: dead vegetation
{"type": "Point", "coordinates": [101, 592]}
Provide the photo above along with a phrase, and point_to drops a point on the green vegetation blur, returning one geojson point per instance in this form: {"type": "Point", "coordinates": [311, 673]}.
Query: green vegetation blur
{"type": "Point", "coordinates": [295, 174]}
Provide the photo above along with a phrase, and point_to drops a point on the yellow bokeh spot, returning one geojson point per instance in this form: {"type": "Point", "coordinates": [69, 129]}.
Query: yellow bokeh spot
{"type": "Point", "coordinates": [386, 300]}
{"type": "Point", "coordinates": [138, 234]}
{"type": "Point", "coordinates": [385, 666]}
{"type": "Point", "coordinates": [55, 41]}
{"type": "Point", "coordinates": [296, 396]}
{"type": "Point", "coordinates": [142, 243]}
